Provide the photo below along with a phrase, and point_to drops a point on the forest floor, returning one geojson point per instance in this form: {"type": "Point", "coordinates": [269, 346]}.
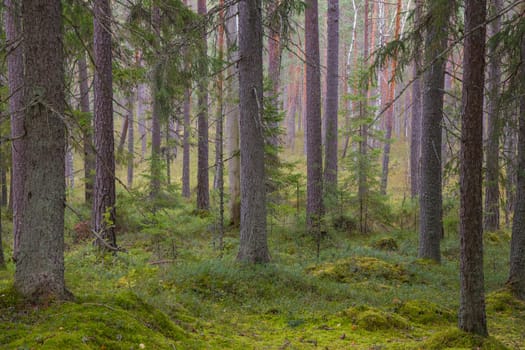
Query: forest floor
{"type": "Point", "coordinates": [173, 288]}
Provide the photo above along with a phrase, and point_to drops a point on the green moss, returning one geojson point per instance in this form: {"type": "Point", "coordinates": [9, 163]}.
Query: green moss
{"type": "Point", "coordinates": [453, 338]}
{"type": "Point", "coordinates": [357, 268]}
{"type": "Point", "coordinates": [504, 301]}
{"type": "Point", "coordinates": [386, 244]}
{"type": "Point", "coordinates": [372, 319]}
{"type": "Point", "coordinates": [425, 312]}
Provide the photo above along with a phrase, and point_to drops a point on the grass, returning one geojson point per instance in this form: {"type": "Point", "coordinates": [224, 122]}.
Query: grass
{"type": "Point", "coordinates": [173, 290]}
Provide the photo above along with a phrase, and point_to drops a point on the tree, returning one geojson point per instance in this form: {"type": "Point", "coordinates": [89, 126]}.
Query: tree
{"type": "Point", "coordinates": [232, 118]}
{"type": "Point", "coordinates": [15, 78]}
{"type": "Point", "coordinates": [472, 317]}
{"type": "Point", "coordinates": [332, 96]}
{"type": "Point", "coordinates": [39, 272]}
{"type": "Point", "coordinates": [131, 136]}
{"type": "Point", "coordinates": [203, 185]}
{"type": "Point", "coordinates": [103, 215]}
{"type": "Point", "coordinates": [314, 159]}
{"type": "Point", "coordinates": [491, 212]}
{"type": "Point", "coordinates": [431, 225]}
{"type": "Point", "coordinates": [415, 134]}
{"type": "Point", "coordinates": [516, 280]}
{"type": "Point", "coordinates": [156, 89]}
{"type": "Point", "coordinates": [253, 246]}
{"type": "Point", "coordinates": [89, 156]}
{"type": "Point", "coordinates": [186, 145]}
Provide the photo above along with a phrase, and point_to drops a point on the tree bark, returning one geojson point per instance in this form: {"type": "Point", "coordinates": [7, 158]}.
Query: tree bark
{"type": "Point", "coordinates": [232, 119]}
{"type": "Point", "coordinates": [472, 317]}
{"type": "Point", "coordinates": [156, 111]}
{"type": "Point", "coordinates": [332, 97]}
{"type": "Point", "coordinates": [103, 217]}
{"type": "Point", "coordinates": [431, 224]}
{"type": "Point", "coordinates": [131, 137]}
{"type": "Point", "coordinates": [87, 132]}
{"type": "Point", "coordinates": [186, 191]}
{"type": "Point", "coordinates": [15, 76]}
{"type": "Point", "coordinates": [415, 134]}
{"type": "Point", "coordinates": [253, 246]}
{"type": "Point", "coordinates": [39, 272]}
{"type": "Point", "coordinates": [516, 280]}
{"type": "Point", "coordinates": [203, 186]}
{"type": "Point", "coordinates": [314, 159]}
{"type": "Point", "coordinates": [491, 212]}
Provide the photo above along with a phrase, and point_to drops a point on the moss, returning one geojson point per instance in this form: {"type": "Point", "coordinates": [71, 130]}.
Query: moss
{"type": "Point", "coordinates": [122, 322]}
{"type": "Point", "coordinates": [386, 244]}
{"type": "Point", "coordinates": [504, 301]}
{"type": "Point", "coordinates": [356, 268]}
{"type": "Point", "coordinates": [457, 339]}
{"type": "Point", "coordinates": [425, 312]}
{"type": "Point", "coordinates": [372, 319]}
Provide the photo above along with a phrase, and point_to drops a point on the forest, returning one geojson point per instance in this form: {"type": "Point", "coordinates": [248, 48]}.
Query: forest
{"type": "Point", "coordinates": [262, 174]}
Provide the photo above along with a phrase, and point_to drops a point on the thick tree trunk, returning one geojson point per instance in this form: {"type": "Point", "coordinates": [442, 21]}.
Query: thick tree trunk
{"type": "Point", "coordinates": [472, 317]}
{"type": "Point", "coordinates": [332, 97]}
{"type": "Point", "coordinates": [516, 280]}
{"type": "Point", "coordinates": [232, 120]}
{"type": "Point", "coordinates": [203, 186]}
{"type": "Point", "coordinates": [15, 76]}
{"type": "Point", "coordinates": [87, 132]}
{"type": "Point", "coordinates": [131, 137]}
{"type": "Point", "coordinates": [186, 191]}
{"type": "Point", "coordinates": [103, 216]}
{"type": "Point", "coordinates": [314, 159]}
{"type": "Point", "coordinates": [39, 272]}
{"type": "Point", "coordinates": [431, 224]}
{"type": "Point", "coordinates": [253, 246]}
{"type": "Point", "coordinates": [491, 212]}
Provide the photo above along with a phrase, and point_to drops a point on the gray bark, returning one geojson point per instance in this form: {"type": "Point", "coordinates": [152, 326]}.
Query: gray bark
{"type": "Point", "coordinates": [70, 168]}
{"type": "Point", "coordinates": [431, 202]}
{"type": "Point", "coordinates": [131, 137]}
{"type": "Point", "coordinates": [89, 154]}
{"type": "Point", "coordinates": [15, 78]}
{"type": "Point", "coordinates": [155, 113]}
{"type": "Point", "coordinates": [314, 160]}
{"type": "Point", "coordinates": [232, 120]}
{"type": "Point", "coordinates": [141, 120]}
{"type": "Point", "coordinates": [516, 280]}
{"type": "Point", "coordinates": [491, 212]}
{"type": "Point", "coordinates": [472, 317]}
{"type": "Point", "coordinates": [203, 185]}
{"type": "Point", "coordinates": [103, 216]}
{"type": "Point", "coordinates": [39, 272]}
{"type": "Point", "coordinates": [415, 135]}
{"type": "Point", "coordinates": [253, 246]}
{"type": "Point", "coordinates": [186, 192]}
{"type": "Point", "coordinates": [332, 96]}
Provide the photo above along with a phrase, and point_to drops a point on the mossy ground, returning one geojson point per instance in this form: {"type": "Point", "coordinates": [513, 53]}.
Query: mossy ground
{"type": "Point", "coordinates": [172, 289]}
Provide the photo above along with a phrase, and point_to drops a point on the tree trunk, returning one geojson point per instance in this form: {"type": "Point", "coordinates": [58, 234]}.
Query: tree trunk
{"type": "Point", "coordinates": [431, 202]}
{"type": "Point", "coordinates": [232, 119]}
{"type": "Point", "coordinates": [516, 280]}
{"type": "Point", "coordinates": [415, 134]}
{"type": "Point", "coordinates": [156, 111]}
{"type": "Point", "coordinates": [123, 133]}
{"type": "Point", "coordinates": [253, 246]}
{"type": "Point", "coordinates": [70, 168]}
{"type": "Point", "coordinates": [362, 176]}
{"type": "Point", "coordinates": [203, 186]}
{"type": "Point", "coordinates": [472, 316]}
{"type": "Point", "coordinates": [186, 191]}
{"type": "Point", "coordinates": [314, 159]}
{"type": "Point", "coordinates": [39, 272]}
{"type": "Point", "coordinates": [87, 132]}
{"type": "Point", "coordinates": [141, 121]}
{"type": "Point", "coordinates": [491, 212]}
{"type": "Point", "coordinates": [15, 76]}
{"type": "Point", "coordinates": [131, 137]}
{"type": "Point", "coordinates": [103, 217]}
{"type": "Point", "coordinates": [332, 97]}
